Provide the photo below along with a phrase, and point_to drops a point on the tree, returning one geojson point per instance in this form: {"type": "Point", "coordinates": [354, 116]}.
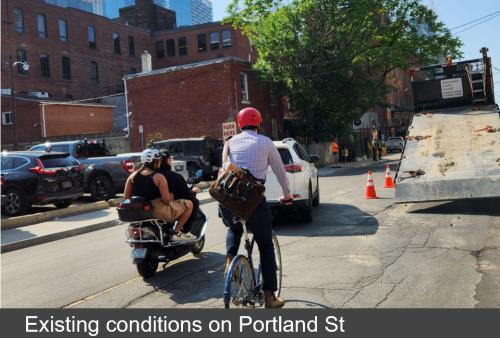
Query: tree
{"type": "Point", "coordinates": [333, 58]}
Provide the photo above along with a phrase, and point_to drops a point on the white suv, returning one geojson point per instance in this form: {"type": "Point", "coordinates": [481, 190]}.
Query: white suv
{"type": "Point", "coordinates": [302, 176]}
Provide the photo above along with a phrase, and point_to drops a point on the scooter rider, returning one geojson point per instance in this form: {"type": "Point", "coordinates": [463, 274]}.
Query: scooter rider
{"type": "Point", "coordinates": [255, 152]}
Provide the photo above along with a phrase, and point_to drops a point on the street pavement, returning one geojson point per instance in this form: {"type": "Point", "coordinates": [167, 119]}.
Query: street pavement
{"type": "Point", "coordinates": [356, 253]}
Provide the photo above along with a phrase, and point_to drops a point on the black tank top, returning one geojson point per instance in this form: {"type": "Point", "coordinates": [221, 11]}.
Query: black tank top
{"type": "Point", "coordinates": [144, 186]}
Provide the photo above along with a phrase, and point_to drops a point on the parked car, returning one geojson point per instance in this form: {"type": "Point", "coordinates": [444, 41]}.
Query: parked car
{"type": "Point", "coordinates": [33, 177]}
{"type": "Point", "coordinates": [199, 153]}
{"type": "Point", "coordinates": [395, 143]}
{"type": "Point", "coordinates": [104, 175]}
{"type": "Point", "coordinates": [302, 175]}
{"type": "Point", "coordinates": [179, 167]}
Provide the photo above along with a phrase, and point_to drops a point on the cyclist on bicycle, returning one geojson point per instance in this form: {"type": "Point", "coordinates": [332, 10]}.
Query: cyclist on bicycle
{"type": "Point", "coordinates": [255, 152]}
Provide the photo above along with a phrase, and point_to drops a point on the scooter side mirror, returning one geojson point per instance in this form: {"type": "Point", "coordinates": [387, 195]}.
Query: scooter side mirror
{"type": "Point", "coordinates": [199, 173]}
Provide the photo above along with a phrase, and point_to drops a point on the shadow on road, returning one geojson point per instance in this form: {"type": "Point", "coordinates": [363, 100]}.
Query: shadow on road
{"type": "Point", "coordinates": [194, 281]}
{"type": "Point", "coordinates": [484, 207]}
{"type": "Point", "coordinates": [330, 219]}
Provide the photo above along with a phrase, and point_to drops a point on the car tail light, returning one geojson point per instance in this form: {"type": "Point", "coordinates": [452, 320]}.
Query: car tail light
{"type": "Point", "coordinates": [129, 166]}
{"type": "Point", "coordinates": [296, 196]}
{"type": "Point", "coordinates": [293, 168]}
{"type": "Point", "coordinates": [79, 169]}
{"type": "Point", "coordinates": [2, 181]}
{"type": "Point", "coordinates": [400, 144]}
{"type": "Point", "coordinates": [40, 170]}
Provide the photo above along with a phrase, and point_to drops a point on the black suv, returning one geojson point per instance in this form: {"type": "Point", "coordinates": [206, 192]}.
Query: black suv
{"type": "Point", "coordinates": [35, 177]}
{"type": "Point", "coordinates": [199, 153]}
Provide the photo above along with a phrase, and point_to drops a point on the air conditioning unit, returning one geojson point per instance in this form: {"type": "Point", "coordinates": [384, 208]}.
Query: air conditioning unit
{"type": "Point", "coordinates": [39, 94]}
{"type": "Point", "coordinates": [6, 91]}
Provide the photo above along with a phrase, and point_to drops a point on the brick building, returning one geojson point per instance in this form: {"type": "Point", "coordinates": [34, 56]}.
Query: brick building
{"type": "Point", "coordinates": [145, 14]}
{"type": "Point", "coordinates": [37, 119]}
{"type": "Point", "coordinates": [195, 99]}
{"type": "Point", "coordinates": [78, 55]}
{"type": "Point", "coordinates": [203, 42]}
{"type": "Point", "coordinates": [74, 54]}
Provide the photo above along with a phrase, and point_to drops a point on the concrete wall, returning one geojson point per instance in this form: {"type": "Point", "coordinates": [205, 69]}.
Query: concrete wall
{"type": "Point", "coordinates": [119, 112]}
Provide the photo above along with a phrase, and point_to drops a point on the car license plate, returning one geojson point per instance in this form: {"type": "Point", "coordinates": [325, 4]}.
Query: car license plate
{"type": "Point", "coordinates": [138, 253]}
{"type": "Point", "coordinates": [67, 184]}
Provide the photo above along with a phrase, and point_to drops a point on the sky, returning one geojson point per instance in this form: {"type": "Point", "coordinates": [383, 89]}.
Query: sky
{"type": "Point", "coordinates": [453, 13]}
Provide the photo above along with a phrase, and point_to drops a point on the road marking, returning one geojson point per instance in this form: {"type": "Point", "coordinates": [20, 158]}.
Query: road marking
{"type": "Point", "coordinates": [137, 278]}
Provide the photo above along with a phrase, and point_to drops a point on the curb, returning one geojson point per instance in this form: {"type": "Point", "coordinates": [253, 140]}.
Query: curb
{"type": "Point", "coordinates": [22, 221]}
{"type": "Point", "coordinates": [56, 236]}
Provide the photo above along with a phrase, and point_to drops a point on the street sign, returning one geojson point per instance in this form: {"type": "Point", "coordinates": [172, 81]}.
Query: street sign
{"type": "Point", "coordinates": [141, 129]}
{"type": "Point", "coordinates": [228, 130]}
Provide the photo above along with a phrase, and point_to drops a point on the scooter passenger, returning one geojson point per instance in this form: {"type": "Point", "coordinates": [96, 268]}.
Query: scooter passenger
{"type": "Point", "coordinates": [178, 186]}
{"type": "Point", "coordinates": [147, 182]}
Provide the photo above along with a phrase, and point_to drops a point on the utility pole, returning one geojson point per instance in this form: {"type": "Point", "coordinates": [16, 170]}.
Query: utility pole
{"type": "Point", "coordinates": [13, 102]}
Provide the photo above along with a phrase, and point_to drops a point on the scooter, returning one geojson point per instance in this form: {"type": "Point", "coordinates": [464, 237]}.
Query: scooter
{"type": "Point", "coordinates": [150, 238]}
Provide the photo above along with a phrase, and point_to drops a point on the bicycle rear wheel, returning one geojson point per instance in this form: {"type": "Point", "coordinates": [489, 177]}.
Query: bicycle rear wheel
{"type": "Point", "coordinates": [241, 282]}
{"type": "Point", "coordinates": [279, 267]}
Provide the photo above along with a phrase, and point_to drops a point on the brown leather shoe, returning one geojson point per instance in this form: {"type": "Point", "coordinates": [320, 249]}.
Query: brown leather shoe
{"type": "Point", "coordinates": [273, 302]}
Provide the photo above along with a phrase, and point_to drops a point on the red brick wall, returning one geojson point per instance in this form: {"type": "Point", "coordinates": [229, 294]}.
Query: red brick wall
{"type": "Point", "coordinates": [27, 115]}
{"type": "Point", "coordinates": [77, 49]}
{"type": "Point", "coordinates": [73, 120]}
{"type": "Point", "coordinates": [240, 45]}
{"type": "Point", "coordinates": [193, 102]}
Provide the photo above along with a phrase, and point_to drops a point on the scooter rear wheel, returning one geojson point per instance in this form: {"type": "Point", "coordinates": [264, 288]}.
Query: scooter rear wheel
{"type": "Point", "coordinates": [147, 268]}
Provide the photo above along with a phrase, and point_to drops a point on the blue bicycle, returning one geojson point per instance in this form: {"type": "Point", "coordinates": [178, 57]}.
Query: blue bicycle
{"type": "Point", "coordinates": [243, 287]}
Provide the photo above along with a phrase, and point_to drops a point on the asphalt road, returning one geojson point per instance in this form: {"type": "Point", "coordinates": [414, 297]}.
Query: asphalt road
{"type": "Point", "coordinates": [356, 253]}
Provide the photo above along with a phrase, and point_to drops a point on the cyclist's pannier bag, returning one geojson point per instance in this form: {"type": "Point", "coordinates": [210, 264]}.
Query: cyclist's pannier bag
{"type": "Point", "coordinates": [238, 191]}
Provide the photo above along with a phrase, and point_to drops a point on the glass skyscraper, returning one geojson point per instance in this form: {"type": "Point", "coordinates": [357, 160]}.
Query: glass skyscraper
{"type": "Point", "coordinates": [188, 12]}
{"type": "Point", "coordinates": [191, 12]}
{"type": "Point", "coordinates": [91, 6]}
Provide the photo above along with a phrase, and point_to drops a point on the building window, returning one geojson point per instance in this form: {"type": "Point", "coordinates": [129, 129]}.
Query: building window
{"type": "Point", "coordinates": [244, 88]}
{"type": "Point", "coordinates": [202, 43]}
{"type": "Point", "coordinates": [6, 118]}
{"type": "Point", "coordinates": [116, 43]}
{"type": "Point", "coordinates": [91, 31]}
{"type": "Point", "coordinates": [171, 47]}
{"type": "Point", "coordinates": [94, 72]}
{"type": "Point", "coordinates": [63, 30]}
{"type": "Point", "coordinates": [160, 50]}
{"type": "Point", "coordinates": [18, 20]}
{"type": "Point", "coordinates": [252, 48]}
{"type": "Point", "coordinates": [214, 41]}
{"type": "Point", "coordinates": [131, 46]}
{"type": "Point", "coordinates": [226, 38]}
{"type": "Point", "coordinates": [183, 50]}
{"type": "Point", "coordinates": [68, 97]}
{"type": "Point", "coordinates": [133, 71]}
{"type": "Point", "coordinates": [42, 27]}
{"type": "Point", "coordinates": [44, 64]}
{"type": "Point", "coordinates": [21, 57]}
{"type": "Point", "coordinates": [66, 68]}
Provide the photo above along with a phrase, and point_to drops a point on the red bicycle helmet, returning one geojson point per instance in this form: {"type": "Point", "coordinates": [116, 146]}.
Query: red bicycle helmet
{"type": "Point", "coordinates": [249, 117]}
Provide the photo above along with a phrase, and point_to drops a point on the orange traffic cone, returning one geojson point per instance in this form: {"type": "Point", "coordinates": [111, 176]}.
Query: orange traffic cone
{"type": "Point", "coordinates": [388, 179]}
{"type": "Point", "coordinates": [370, 188]}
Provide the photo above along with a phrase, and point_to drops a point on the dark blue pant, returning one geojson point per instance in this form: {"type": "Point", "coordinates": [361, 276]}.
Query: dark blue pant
{"type": "Point", "coordinates": [260, 223]}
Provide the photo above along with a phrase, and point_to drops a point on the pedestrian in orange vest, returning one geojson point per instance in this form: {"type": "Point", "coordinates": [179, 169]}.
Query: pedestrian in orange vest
{"type": "Point", "coordinates": [336, 154]}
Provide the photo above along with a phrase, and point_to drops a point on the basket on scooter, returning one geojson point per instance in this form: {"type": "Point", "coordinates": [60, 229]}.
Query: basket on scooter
{"type": "Point", "coordinates": [135, 209]}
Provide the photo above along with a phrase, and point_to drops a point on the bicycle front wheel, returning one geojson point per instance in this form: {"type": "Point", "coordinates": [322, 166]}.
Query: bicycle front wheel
{"type": "Point", "coordinates": [279, 267]}
{"type": "Point", "coordinates": [241, 283]}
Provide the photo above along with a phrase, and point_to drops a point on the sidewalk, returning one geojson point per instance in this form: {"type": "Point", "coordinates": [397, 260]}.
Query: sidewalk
{"type": "Point", "coordinates": [40, 233]}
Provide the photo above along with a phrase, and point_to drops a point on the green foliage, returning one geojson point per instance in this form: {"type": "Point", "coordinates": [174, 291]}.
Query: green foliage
{"type": "Point", "coordinates": [333, 58]}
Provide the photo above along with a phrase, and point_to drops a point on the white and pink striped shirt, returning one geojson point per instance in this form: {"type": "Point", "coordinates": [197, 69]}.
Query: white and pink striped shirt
{"type": "Point", "coordinates": [255, 152]}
